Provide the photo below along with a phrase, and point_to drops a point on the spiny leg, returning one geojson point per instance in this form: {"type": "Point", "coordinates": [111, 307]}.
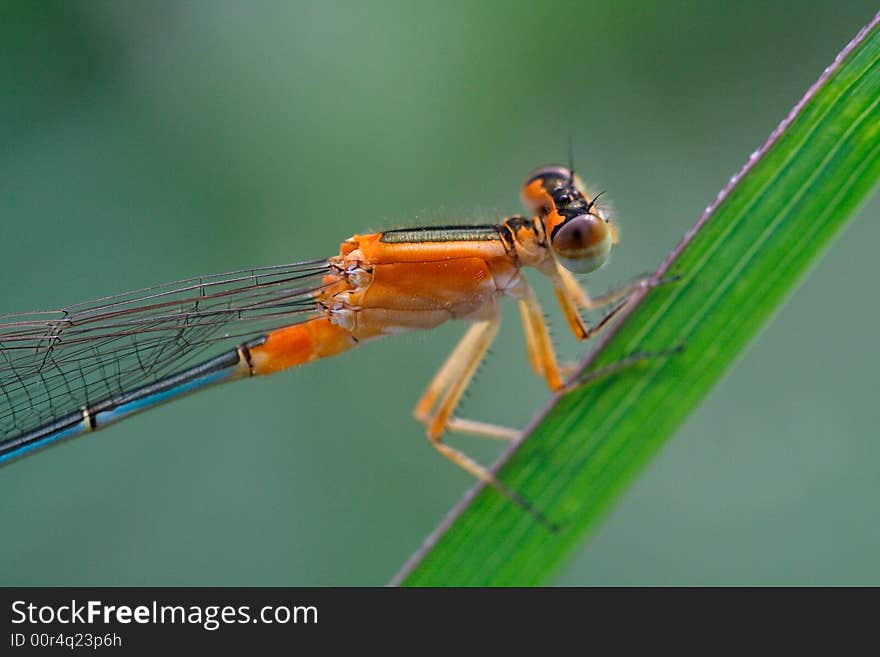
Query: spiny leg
{"type": "Point", "coordinates": [448, 371]}
{"type": "Point", "coordinates": [583, 300]}
{"type": "Point", "coordinates": [531, 340]}
{"type": "Point", "coordinates": [569, 305]}
{"type": "Point", "coordinates": [455, 375]}
{"type": "Point", "coordinates": [569, 293]}
{"type": "Point", "coordinates": [482, 429]}
{"type": "Point", "coordinates": [538, 344]}
{"type": "Point", "coordinates": [453, 370]}
{"type": "Point", "coordinates": [541, 356]}
{"type": "Point", "coordinates": [458, 371]}
{"type": "Point", "coordinates": [571, 296]}
{"type": "Point", "coordinates": [574, 289]}
{"type": "Point", "coordinates": [540, 348]}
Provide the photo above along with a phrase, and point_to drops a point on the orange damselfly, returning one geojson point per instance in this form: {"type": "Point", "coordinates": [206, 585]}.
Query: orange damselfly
{"type": "Point", "coordinates": [69, 372]}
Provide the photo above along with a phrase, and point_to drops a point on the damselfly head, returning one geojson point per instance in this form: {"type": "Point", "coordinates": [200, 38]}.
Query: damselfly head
{"type": "Point", "coordinates": [580, 236]}
{"type": "Point", "coordinates": [542, 181]}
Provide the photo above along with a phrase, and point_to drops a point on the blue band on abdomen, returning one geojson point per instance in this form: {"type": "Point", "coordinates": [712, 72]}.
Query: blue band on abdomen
{"type": "Point", "coordinates": [120, 412]}
{"type": "Point", "coordinates": [112, 409]}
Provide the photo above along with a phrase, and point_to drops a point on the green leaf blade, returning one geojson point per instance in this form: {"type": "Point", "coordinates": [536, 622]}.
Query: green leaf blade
{"type": "Point", "coordinates": [736, 267]}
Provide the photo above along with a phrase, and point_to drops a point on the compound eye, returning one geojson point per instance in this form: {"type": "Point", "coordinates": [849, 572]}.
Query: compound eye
{"type": "Point", "coordinates": [582, 243]}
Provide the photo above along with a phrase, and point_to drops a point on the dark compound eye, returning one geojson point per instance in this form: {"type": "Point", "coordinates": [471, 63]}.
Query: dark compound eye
{"type": "Point", "coordinates": [577, 234]}
{"type": "Point", "coordinates": [582, 243]}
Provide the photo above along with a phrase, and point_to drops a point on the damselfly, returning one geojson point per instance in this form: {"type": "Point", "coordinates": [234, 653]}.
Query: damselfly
{"type": "Point", "coordinates": [69, 372]}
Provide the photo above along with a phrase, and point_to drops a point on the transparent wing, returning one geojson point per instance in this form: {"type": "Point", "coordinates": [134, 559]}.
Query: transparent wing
{"type": "Point", "coordinates": [55, 362]}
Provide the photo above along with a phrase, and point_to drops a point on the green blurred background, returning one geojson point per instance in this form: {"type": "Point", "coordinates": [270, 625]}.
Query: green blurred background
{"type": "Point", "coordinates": [145, 142]}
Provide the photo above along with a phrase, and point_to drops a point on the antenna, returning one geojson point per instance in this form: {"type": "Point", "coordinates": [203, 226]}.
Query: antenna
{"type": "Point", "coordinates": [595, 198]}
